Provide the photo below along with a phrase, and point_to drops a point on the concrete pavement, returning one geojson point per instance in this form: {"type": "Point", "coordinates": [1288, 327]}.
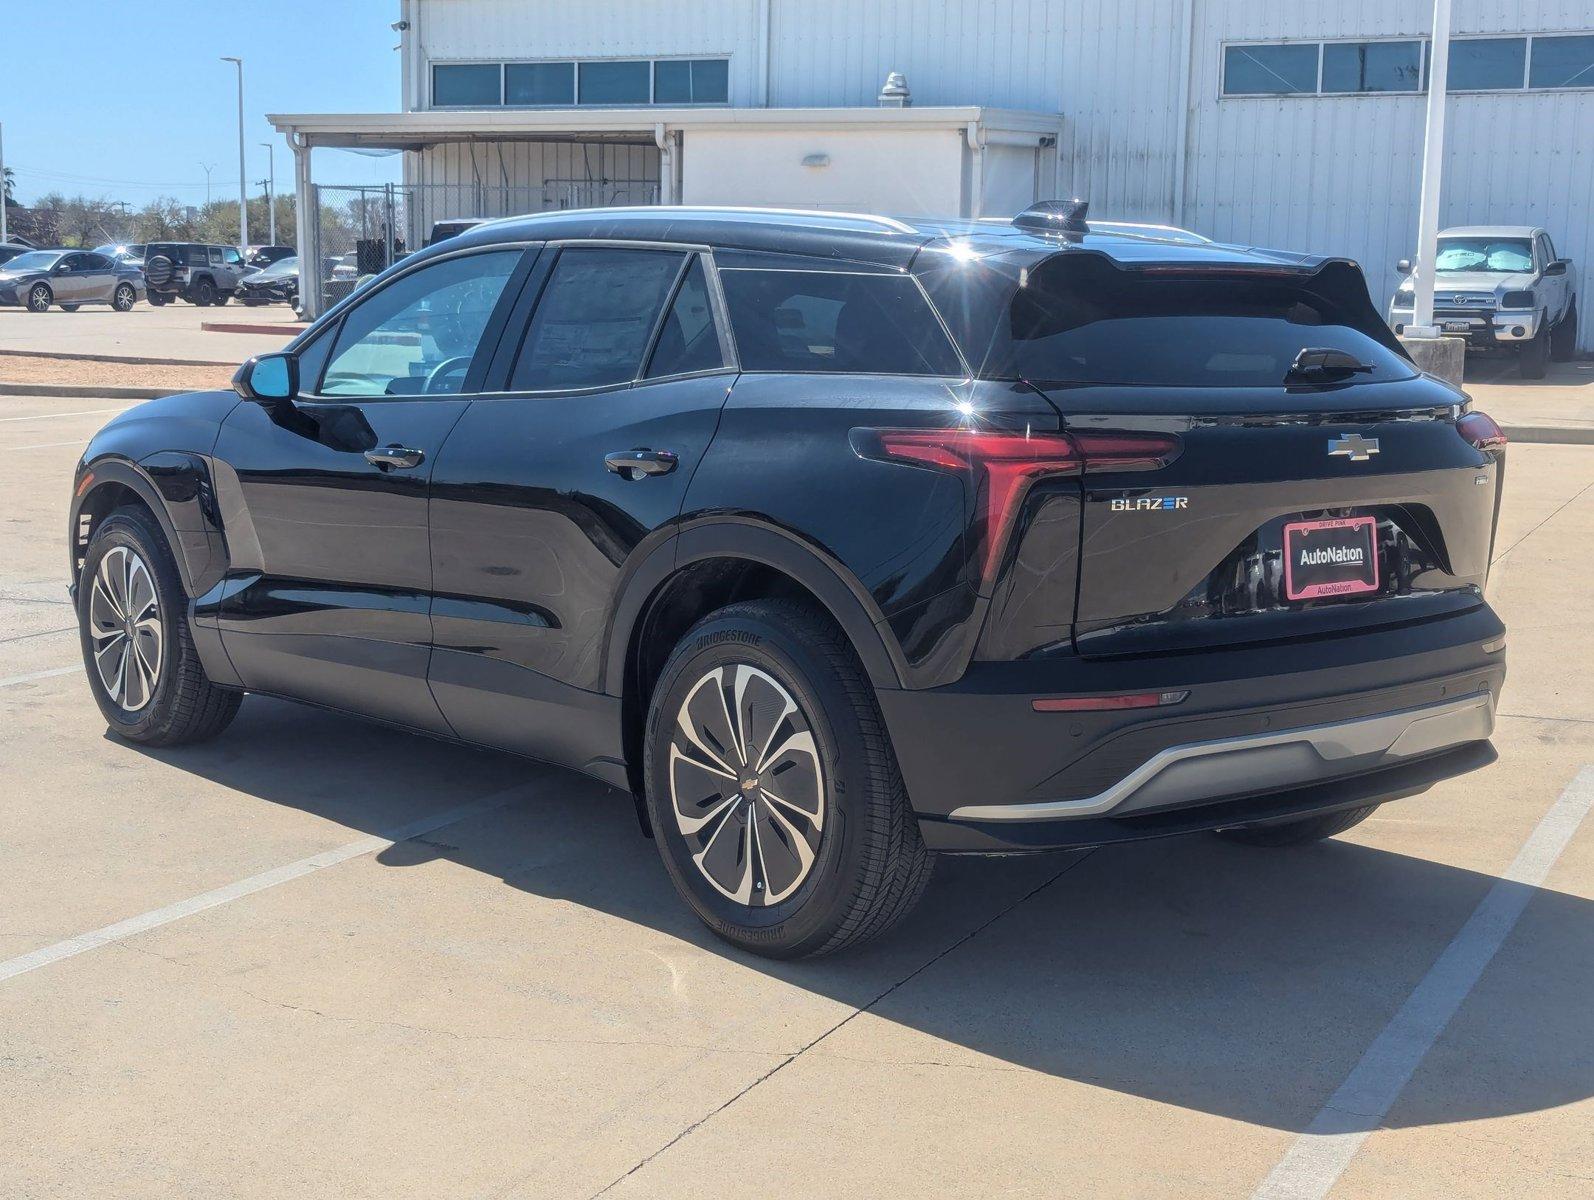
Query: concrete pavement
{"type": "Point", "coordinates": [146, 332]}
{"type": "Point", "coordinates": [515, 1004]}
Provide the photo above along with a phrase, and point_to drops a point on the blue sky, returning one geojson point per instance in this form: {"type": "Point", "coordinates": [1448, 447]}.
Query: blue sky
{"type": "Point", "coordinates": [82, 111]}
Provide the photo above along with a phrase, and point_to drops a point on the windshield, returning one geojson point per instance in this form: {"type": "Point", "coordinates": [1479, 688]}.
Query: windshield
{"type": "Point", "coordinates": [1501, 256]}
{"type": "Point", "coordinates": [283, 266]}
{"type": "Point", "coordinates": [34, 260]}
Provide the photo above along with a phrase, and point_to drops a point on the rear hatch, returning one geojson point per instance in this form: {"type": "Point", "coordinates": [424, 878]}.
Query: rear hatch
{"type": "Point", "coordinates": [1313, 484]}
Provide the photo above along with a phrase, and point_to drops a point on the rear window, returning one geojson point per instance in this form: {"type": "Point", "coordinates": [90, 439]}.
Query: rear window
{"type": "Point", "coordinates": [1083, 320]}
{"type": "Point", "coordinates": [830, 321]}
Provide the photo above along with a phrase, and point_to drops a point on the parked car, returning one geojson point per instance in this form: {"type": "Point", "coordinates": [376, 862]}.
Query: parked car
{"type": "Point", "coordinates": [837, 541]}
{"type": "Point", "coordinates": [9, 250]}
{"type": "Point", "coordinates": [1501, 287]}
{"type": "Point", "coordinates": [199, 274]}
{"type": "Point", "coordinates": [263, 256]}
{"type": "Point", "coordinates": [131, 253]}
{"type": "Point", "coordinates": [276, 284]}
{"type": "Point", "coordinates": [70, 279]}
{"type": "Point", "coordinates": [452, 227]}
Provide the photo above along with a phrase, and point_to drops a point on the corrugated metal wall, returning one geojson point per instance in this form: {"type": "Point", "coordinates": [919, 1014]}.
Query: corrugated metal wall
{"type": "Point", "coordinates": [1328, 174]}
{"type": "Point", "coordinates": [1341, 174]}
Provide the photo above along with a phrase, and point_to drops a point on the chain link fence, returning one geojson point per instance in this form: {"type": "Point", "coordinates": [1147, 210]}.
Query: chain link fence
{"type": "Point", "coordinates": [361, 230]}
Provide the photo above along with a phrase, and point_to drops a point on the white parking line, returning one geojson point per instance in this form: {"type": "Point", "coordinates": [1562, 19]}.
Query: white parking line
{"type": "Point", "coordinates": [13, 680]}
{"type": "Point", "coordinates": [1319, 1156]}
{"type": "Point", "coordinates": [86, 412]}
{"type": "Point", "coordinates": [371, 844]}
{"type": "Point", "coordinates": [47, 445]}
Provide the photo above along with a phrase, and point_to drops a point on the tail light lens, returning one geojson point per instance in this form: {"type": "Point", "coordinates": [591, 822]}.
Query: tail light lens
{"type": "Point", "coordinates": [1004, 464]}
{"type": "Point", "coordinates": [1480, 429]}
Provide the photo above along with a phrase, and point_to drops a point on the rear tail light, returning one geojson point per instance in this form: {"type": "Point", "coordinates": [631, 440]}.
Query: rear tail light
{"type": "Point", "coordinates": [1004, 464]}
{"type": "Point", "coordinates": [1107, 703]}
{"type": "Point", "coordinates": [1480, 429]}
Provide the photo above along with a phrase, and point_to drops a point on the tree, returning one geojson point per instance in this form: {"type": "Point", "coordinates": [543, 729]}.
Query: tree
{"type": "Point", "coordinates": [162, 220]}
{"type": "Point", "coordinates": [10, 189]}
{"type": "Point", "coordinates": [83, 220]}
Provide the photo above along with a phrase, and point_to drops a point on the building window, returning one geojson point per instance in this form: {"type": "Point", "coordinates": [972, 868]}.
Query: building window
{"type": "Point", "coordinates": [1562, 62]}
{"type": "Point", "coordinates": [1271, 70]}
{"type": "Point", "coordinates": [1372, 66]}
{"type": "Point", "coordinates": [547, 83]}
{"type": "Point", "coordinates": [1477, 64]}
{"type": "Point", "coordinates": [596, 81]}
{"type": "Point", "coordinates": [467, 84]}
{"type": "Point", "coordinates": [691, 81]}
{"type": "Point", "coordinates": [610, 82]}
{"type": "Point", "coordinates": [1487, 64]}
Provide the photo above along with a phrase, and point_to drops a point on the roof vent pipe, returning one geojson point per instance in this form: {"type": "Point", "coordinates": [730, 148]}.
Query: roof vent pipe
{"type": "Point", "coordinates": [894, 93]}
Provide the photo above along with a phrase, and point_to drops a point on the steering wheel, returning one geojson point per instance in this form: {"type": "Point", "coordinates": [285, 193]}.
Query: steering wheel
{"type": "Point", "coordinates": [458, 362]}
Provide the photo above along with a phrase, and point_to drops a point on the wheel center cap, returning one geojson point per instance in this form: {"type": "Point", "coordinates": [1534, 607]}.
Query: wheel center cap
{"type": "Point", "coordinates": [750, 785]}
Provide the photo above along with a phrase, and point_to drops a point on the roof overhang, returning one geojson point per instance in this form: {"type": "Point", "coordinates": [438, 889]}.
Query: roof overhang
{"type": "Point", "coordinates": [417, 130]}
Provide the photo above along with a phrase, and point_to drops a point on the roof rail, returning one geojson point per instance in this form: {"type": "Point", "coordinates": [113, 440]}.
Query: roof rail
{"type": "Point", "coordinates": [857, 220]}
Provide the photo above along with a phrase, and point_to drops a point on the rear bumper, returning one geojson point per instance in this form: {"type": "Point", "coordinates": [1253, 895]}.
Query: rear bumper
{"type": "Point", "coordinates": [1265, 732]}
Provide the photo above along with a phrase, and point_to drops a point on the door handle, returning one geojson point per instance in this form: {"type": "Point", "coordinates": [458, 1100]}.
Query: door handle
{"type": "Point", "coordinates": [638, 464]}
{"type": "Point", "coordinates": [397, 458]}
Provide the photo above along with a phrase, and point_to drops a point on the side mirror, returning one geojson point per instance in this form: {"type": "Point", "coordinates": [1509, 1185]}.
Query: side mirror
{"type": "Point", "coordinates": [268, 379]}
{"type": "Point", "coordinates": [1558, 267]}
{"type": "Point", "coordinates": [1404, 266]}
{"type": "Point", "coordinates": [60, 269]}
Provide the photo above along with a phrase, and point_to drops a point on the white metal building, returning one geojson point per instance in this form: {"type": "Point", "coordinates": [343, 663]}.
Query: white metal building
{"type": "Point", "coordinates": [1269, 122]}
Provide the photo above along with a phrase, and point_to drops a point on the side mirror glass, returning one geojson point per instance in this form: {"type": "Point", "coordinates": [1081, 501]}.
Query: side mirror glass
{"type": "Point", "coordinates": [268, 379]}
{"type": "Point", "coordinates": [1404, 266]}
{"type": "Point", "coordinates": [1558, 267]}
{"type": "Point", "coordinates": [60, 269]}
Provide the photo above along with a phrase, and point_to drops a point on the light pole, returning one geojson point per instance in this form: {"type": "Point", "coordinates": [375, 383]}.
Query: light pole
{"type": "Point", "coordinates": [207, 170]}
{"type": "Point", "coordinates": [243, 183]}
{"type": "Point", "coordinates": [1433, 161]}
{"type": "Point", "coordinates": [271, 187]}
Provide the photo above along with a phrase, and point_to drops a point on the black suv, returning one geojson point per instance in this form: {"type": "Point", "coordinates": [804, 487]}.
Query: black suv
{"type": "Point", "coordinates": [836, 541]}
{"type": "Point", "coordinates": [200, 274]}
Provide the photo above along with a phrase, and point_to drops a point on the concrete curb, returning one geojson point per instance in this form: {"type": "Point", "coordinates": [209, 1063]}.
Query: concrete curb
{"type": "Point", "coordinates": [1555, 435]}
{"type": "Point", "coordinates": [287, 331]}
{"type": "Point", "coordinates": [92, 391]}
{"type": "Point", "coordinates": [129, 359]}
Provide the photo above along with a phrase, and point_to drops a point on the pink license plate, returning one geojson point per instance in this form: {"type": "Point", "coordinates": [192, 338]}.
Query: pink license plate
{"type": "Point", "coordinates": [1330, 558]}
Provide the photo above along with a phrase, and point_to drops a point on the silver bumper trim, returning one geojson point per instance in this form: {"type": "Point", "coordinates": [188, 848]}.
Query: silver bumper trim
{"type": "Point", "coordinates": [1205, 771]}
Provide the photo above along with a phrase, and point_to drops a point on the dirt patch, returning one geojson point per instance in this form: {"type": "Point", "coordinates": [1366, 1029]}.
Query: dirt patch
{"type": "Point", "coordinates": [19, 369]}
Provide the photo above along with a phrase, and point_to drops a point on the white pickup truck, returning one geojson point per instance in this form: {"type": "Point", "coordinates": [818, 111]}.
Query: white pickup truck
{"type": "Point", "coordinates": [1503, 287]}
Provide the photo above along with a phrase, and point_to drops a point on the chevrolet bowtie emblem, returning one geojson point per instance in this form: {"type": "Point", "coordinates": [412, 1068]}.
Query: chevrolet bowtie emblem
{"type": "Point", "coordinates": [1352, 446]}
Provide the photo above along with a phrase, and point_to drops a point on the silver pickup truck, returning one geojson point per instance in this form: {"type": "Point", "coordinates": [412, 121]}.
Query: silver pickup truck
{"type": "Point", "coordinates": [1503, 287]}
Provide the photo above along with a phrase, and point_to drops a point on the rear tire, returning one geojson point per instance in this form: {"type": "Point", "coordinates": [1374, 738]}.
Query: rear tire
{"type": "Point", "coordinates": [835, 858]}
{"type": "Point", "coordinates": [1563, 341]}
{"type": "Point", "coordinates": [137, 648]}
{"type": "Point", "coordinates": [123, 299]}
{"type": "Point", "coordinates": [158, 299]}
{"type": "Point", "coordinates": [1296, 833]}
{"type": "Point", "coordinates": [1534, 356]}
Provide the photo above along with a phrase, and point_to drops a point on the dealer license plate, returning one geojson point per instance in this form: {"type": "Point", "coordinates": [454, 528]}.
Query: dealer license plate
{"type": "Point", "coordinates": [1330, 558]}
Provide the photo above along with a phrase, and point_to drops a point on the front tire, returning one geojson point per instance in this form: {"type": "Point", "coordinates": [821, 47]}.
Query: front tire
{"type": "Point", "coordinates": [202, 294]}
{"type": "Point", "coordinates": [1534, 356]}
{"type": "Point", "coordinates": [772, 787]}
{"type": "Point", "coordinates": [137, 648]}
{"type": "Point", "coordinates": [1297, 833]}
{"type": "Point", "coordinates": [40, 298]}
{"type": "Point", "coordinates": [1563, 341]}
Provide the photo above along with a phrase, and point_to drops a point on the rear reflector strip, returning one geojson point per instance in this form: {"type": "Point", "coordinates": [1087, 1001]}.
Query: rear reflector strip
{"type": "Point", "coordinates": [1106, 703]}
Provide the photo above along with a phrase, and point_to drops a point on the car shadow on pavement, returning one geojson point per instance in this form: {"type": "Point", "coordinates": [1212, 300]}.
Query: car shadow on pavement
{"type": "Point", "coordinates": [1235, 981]}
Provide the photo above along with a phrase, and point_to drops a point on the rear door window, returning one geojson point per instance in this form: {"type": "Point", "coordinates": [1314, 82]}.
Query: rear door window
{"type": "Point", "coordinates": [835, 322]}
{"type": "Point", "coordinates": [688, 341]}
{"type": "Point", "coordinates": [595, 318]}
